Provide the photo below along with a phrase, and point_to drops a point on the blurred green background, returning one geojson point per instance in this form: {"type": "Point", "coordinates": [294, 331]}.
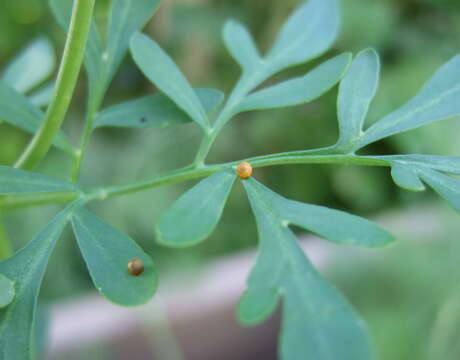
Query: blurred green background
{"type": "Point", "coordinates": [413, 37]}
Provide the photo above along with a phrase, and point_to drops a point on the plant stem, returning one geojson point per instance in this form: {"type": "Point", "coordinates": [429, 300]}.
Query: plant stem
{"type": "Point", "coordinates": [93, 108]}
{"type": "Point", "coordinates": [176, 176]}
{"type": "Point", "coordinates": [316, 156]}
{"type": "Point", "coordinates": [67, 78]}
{"type": "Point", "coordinates": [244, 85]}
{"type": "Point", "coordinates": [22, 201]}
{"type": "Point", "coordinates": [204, 148]}
{"type": "Point", "coordinates": [191, 173]}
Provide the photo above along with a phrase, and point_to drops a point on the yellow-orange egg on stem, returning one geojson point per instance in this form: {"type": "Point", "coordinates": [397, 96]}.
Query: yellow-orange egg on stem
{"type": "Point", "coordinates": [244, 170]}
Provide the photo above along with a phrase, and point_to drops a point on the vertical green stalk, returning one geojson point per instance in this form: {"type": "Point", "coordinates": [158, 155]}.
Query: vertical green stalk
{"type": "Point", "coordinates": [225, 115]}
{"type": "Point", "coordinates": [93, 107]}
{"type": "Point", "coordinates": [67, 78]}
{"type": "Point", "coordinates": [205, 147]}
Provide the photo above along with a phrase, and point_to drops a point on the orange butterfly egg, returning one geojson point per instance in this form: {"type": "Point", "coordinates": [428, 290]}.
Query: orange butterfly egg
{"type": "Point", "coordinates": [136, 267]}
{"type": "Point", "coordinates": [244, 170]}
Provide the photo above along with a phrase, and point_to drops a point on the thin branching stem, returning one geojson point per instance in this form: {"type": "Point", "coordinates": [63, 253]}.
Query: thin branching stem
{"type": "Point", "coordinates": [93, 108]}
{"type": "Point", "coordinates": [316, 156]}
{"type": "Point", "coordinates": [191, 173]}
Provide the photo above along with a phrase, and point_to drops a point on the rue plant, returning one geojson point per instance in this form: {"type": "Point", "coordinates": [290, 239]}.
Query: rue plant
{"type": "Point", "coordinates": [317, 321]}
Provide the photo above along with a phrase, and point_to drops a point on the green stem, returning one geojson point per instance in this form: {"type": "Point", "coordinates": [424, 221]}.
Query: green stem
{"type": "Point", "coordinates": [191, 173]}
{"type": "Point", "coordinates": [210, 138]}
{"type": "Point", "coordinates": [176, 176]}
{"type": "Point", "coordinates": [93, 108]}
{"type": "Point", "coordinates": [23, 201]}
{"type": "Point", "coordinates": [317, 156]}
{"type": "Point", "coordinates": [205, 146]}
{"type": "Point", "coordinates": [245, 84]}
{"type": "Point", "coordinates": [67, 78]}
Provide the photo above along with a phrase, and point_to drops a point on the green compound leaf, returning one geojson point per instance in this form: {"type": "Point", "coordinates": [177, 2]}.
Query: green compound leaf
{"type": "Point", "coordinates": [107, 253]}
{"type": "Point", "coordinates": [318, 323]}
{"type": "Point", "coordinates": [16, 181]}
{"type": "Point", "coordinates": [357, 89]}
{"type": "Point", "coordinates": [409, 170]}
{"type": "Point", "coordinates": [154, 111]}
{"type": "Point", "coordinates": [309, 32]}
{"type": "Point", "coordinates": [241, 45]}
{"type": "Point", "coordinates": [7, 291]}
{"type": "Point", "coordinates": [445, 186]}
{"type": "Point", "coordinates": [437, 100]}
{"type": "Point", "coordinates": [17, 110]}
{"type": "Point", "coordinates": [158, 67]}
{"type": "Point", "coordinates": [194, 216]}
{"type": "Point", "coordinates": [26, 269]}
{"type": "Point", "coordinates": [299, 90]}
{"type": "Point", "coordinates": [406, 177]}
{"type": "Point", "coordinates": [32, 66]}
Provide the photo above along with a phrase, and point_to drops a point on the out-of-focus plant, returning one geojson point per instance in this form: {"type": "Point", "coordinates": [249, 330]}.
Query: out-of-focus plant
{"type": "Point", "coordinates": [318, 323]}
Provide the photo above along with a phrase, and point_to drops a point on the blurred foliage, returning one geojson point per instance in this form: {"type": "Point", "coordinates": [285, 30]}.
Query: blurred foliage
{"type": "Point", "coordinates": [410, 293]}
{"type": "Point", "coordinates": [414, 37]}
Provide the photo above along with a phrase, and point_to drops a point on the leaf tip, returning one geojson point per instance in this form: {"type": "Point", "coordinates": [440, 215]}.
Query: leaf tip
{"type": "Point", "coordinates": [255, 307]}
{"type": "Point", "coordinates": [388, 239]}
